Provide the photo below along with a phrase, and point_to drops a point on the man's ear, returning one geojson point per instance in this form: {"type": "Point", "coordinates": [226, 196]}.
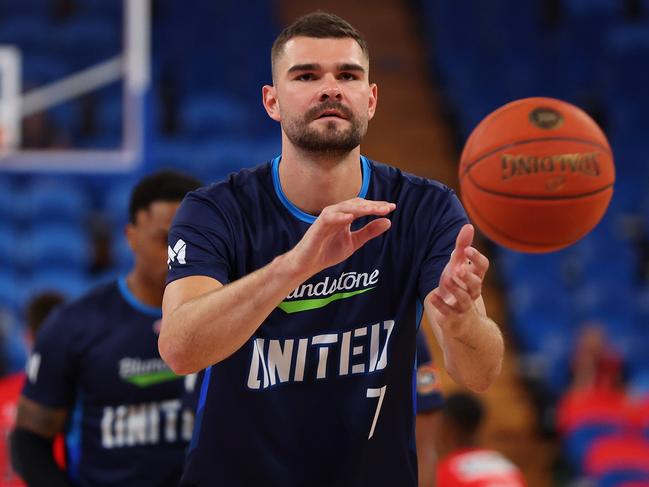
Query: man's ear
{"type": "Point", "coordinates": [271, 104]}
{"type": "Point", "coordinates": [373, 99]}
{"type": "Point", "coordinates": [129, 233]}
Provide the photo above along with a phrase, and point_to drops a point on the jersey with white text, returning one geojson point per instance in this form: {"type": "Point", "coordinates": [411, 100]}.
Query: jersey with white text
{"type": "Point", "coordinates": [429, 390]}
{"type": "Point", "coordinates": [323, 393]}
{"type": "Point", "coordinates": [98, 357]}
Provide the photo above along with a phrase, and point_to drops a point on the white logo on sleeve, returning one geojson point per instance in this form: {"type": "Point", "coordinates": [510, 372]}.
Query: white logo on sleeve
{"type": "Point", "coordinates": [177, 253]}
{"type": "Point", "coordinates": [33, 365]}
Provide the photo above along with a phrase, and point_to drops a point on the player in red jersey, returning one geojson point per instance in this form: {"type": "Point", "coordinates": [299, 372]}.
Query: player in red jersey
{"type": "Point", "coordinates": [463, 463]}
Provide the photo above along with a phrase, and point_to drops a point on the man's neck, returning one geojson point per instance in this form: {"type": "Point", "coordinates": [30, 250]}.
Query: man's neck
{"type": "Point", "coordinates": [313, 181]}
{"type": "Point", "coordinates": [143, 291]}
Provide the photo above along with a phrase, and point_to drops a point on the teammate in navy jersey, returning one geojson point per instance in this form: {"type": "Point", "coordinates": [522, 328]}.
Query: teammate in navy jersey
{"type": "Point", "coordinates": [301, 287]}
{"type": "Point", "coordinates": [429, 404]}
{"type": "Point", "coordinates": [96, 372]}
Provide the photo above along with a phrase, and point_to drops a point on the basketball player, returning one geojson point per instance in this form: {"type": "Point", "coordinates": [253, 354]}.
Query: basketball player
{"type": "Point", "coordinates": [429, 402]}
{"type": "Point", "coordinates": [96, 371]}
{"type": "Point", "coordinates": [302, 283]}
{"type": "Point", "coordinates": [463, 463]}
{"type": "Point", "coordinates": [39, 307]}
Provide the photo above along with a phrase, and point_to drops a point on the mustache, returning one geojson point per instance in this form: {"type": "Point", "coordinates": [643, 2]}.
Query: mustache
{"type": "Point", "coordinates": [316, 111]}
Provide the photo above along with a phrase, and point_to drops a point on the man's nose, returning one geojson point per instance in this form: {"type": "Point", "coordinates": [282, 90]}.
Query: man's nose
{"type": "Point", "coordinates": [330, 89]}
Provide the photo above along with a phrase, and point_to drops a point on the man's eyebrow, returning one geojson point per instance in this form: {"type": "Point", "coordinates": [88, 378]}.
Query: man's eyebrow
{"type": "Point", "coordinates": [304, 67]}
{"type": "Point", "coordinates": [317, 67]}
{"type": "Point", "coordinates": [351, 67]}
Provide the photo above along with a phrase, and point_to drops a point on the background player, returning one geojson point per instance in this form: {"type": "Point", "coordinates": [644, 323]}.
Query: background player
{"type": "Point", "coordinates": [96, 369]}
{"type": "Point", "coordinates": [10, 386]}
{"type": "Point", "coordinates": [306, 302]}
{"type": "Point", "coordinates": [463, 463]}
{"type": "Point", "coordinates": [429, 403]}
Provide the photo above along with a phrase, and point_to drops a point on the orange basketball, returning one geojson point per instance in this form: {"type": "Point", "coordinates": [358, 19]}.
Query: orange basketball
{"type": "Point", "coordinates": [536, 175]}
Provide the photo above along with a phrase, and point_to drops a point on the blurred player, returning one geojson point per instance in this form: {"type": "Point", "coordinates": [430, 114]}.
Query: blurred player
{"type": "Point", "coordinates": [301, 286]}
{"type": "Point", "coordinates": [96, 370]}
{"type": "Point", "coordinates": [462, 462]}
{"type": "Point", "coordinates": [429, 404]}
{"type": "Point", "coordinates": [10, 386]}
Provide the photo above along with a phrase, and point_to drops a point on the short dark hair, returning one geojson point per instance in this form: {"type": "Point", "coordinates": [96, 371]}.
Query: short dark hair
{"type": "Point", "coordinates": [320, 25]}
{"type": "Point", "coordinates": [465, 412]}
{"type": "Point", "coordinates": [39, 308]}
{"type": "Point", "coordinates": [160, 186]}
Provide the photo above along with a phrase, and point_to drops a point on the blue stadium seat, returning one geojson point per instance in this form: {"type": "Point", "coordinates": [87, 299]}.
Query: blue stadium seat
{"type": "Point", "coordinates": [577, 442]}
{"type": "Point", "coordinates": [518, 268]}
{"type": "Point", "coordinates": [52, 201]}
{"type": "Point", "coordinates": [618, 478]}
{"type": "Point", "coordinates": [601, 257]}
{"type": "Point", "coordinates": [34, 8]}
{"type": "Point", "coordinates": [27, 31]}
{"type": "Point", "coordinates": [69, 283]}
{"type": "Point", "coordinates": [12, 340]}
{"type": "Point", "coordinates": [116, 200]}
{"type": "Point", "coordinates": [10, 209]}
{"type": "Point", "coordinates": [88, 41]}
{"type": "Point", "coordinates": [214, 116]}
{"type": "Point", "coordinates": [41, 70]}
{"type": "Point", "coordinates": [9, 297]}
{"type": "Point", "coordinates": [9, 247]}
{"type": "Point", "coordinates": [59, 247]}
{"type": "Point", "coordinates": [604, 9]}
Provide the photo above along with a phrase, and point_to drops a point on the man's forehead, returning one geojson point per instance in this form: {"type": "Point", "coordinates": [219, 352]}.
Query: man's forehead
{"type": "Point", "coordinates": [325, 52]}
{"type": "Point", "coordinates": [158, 211]}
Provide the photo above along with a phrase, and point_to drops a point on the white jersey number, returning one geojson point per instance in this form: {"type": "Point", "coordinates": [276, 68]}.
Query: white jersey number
{"type": "Point", "coordinates": [380, 393]}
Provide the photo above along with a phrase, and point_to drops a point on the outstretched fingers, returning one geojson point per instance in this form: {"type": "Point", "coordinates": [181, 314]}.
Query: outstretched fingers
{"type": "Point", "coordinates": [372, 230]}
{"type": "Point", "coordinates": [361, 207]}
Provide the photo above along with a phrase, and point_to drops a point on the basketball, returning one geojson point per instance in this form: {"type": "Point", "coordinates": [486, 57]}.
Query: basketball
{"type": "Point", "coordinates": [536, 175]}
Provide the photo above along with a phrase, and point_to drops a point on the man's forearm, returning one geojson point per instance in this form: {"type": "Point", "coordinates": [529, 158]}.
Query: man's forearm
{"type": "Point", "coordinates": [474, 358]}
{"type": "Point", "coordinates": [33, 459]}
{"type": "Point", "coordinates": [209, 328]}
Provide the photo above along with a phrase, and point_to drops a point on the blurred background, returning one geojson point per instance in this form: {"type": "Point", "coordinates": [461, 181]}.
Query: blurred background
{"type": "Point", "coordinates": [575, 389]}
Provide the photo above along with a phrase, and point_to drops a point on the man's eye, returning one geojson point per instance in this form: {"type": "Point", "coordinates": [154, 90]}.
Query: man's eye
{"type": "Point", "coordinates": [305, 77]}
{"type": "Point", "coordinates": [348, 76]}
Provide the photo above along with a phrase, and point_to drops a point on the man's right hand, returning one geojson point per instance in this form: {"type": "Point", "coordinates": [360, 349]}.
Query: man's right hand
{"type": "Point", "coordinates": [330, 239]}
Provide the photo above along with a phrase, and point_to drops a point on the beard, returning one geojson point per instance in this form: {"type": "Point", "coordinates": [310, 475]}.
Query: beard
{"type": "Point", "coordinates": [331, 138]}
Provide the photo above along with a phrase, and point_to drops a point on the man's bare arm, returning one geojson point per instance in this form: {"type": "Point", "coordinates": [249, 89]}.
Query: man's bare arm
{"type": "Point", "coordinates": [472, 343]}
{"type": "Point", "coordinates": [31, 444]}
{"type": "Point", "coordinates": [39, 419]}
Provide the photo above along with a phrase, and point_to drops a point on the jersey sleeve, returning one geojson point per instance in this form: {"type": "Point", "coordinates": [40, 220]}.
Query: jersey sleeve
{"type": "Point", "coordinates": [200, 240]}
{"type": "Point", "coordinates": [52, 369]}
{"type": "Point", "coordinates": [429, 393]}
{"type": "Point", "coordinates": [440, 242]}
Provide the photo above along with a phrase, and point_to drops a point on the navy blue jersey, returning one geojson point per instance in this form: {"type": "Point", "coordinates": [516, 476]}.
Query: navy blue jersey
{"type": "Point", "coordinates": [429, 388]}
{"type": "Point", "coordinates": [98, 357]}
{"type": "Point", "coordinates": [324, 392]}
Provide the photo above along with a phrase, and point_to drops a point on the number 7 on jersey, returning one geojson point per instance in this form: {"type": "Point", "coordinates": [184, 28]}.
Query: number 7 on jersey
{"type": "Point", "coordinates": [380, 393]}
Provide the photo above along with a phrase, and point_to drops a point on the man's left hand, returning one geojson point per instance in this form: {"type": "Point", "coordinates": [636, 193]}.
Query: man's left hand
{"type": "Point", "coordinates": [460, 284]}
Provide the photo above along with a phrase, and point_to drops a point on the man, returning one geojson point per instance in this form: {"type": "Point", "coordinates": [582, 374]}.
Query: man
{"type": "Point", "coordinates": [429, 403]}
{"type": "Point", "coordinates": [39, 307]}
{"type": "Point", "coordinates": [301, 284]}
{"type": "Point", "coordinates": [96, 370]}
{"type": "Point", "coordinates": [462, 462]}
